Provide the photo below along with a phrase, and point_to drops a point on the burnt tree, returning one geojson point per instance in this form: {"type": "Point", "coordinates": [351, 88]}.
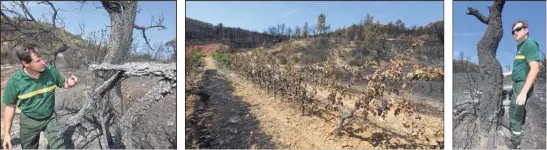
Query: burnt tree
{"type": "Point", "coordinates": [27, 30]}
{"type": "Point", "coordinates": [24, 30]}
{"type": "Point", "coordinates": [122, 18]}
{"type": "Point", "coordinates": [479, 129]}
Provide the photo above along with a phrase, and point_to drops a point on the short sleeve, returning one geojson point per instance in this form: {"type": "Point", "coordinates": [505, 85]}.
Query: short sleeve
{"type": "Point", "coordinates": [531, 51]}
{"type": "Point", "coordinates": [60, 79]}
{"type": "Point", "coordinates": [10, 93]}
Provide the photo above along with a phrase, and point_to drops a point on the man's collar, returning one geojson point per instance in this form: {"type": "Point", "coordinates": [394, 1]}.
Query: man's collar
{"type": "Point", "coordinates": [26, 75]}
{"type": "Point", "coordinates": [524, 40]}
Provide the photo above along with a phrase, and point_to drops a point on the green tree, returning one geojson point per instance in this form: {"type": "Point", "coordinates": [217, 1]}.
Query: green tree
{"type": "Point", "coordinates": [400, 24]}
{"type": "Point", "coordinates": [321, 24]}
{"type": "Point", "coordinates": [369, 19]}
{"type": "Point", "coordinates": [297, 31]}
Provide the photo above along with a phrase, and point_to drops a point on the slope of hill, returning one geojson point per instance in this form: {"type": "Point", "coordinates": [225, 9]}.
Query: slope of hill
{"type": "Point", "coordinates": [202, 33]}
{"type": "Point", "coordinates": [47, 41]}
{"type": "Point", "coordinates": [292, 94]}
{"type": "Point", "coordinates": [366, 41]}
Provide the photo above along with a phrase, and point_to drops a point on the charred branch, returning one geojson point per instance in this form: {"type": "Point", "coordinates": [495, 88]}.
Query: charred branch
{"type": "Point", "coordinates": [167, 71]}
{"type": "Point", "coordinates": [25, 10]}
{"type": "Point", "coordinates": [156, 93]}
{"type": "Point", "coordinates": [112, 6]}
{"type": "Point", "coordinates": [476, 13]}
{"type": "Point", "coordinates": [143, 30]}
{"type": "Point", "coordinates": [92, 103]}
{"type": "Point", "coordinates": [54, 16]}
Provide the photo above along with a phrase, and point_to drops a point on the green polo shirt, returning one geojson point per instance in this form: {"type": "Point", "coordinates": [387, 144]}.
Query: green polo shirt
{"type": "Point", "coordinates": [527, 51]}
{"type": "Point", "coordinates": [35, 97]}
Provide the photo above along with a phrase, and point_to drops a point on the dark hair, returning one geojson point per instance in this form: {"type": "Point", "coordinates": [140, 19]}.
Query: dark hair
{"type": "Point", "coordinates": [26, 51]}
{"type": "Point", "coordinates": [524, 24]}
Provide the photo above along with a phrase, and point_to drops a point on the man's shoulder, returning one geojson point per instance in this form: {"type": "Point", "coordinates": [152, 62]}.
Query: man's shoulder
{"type": "Point", "coordinates": [51, 68]}
{"type": "Point", "coordinates": [16, 76]}
{"type": "Point", "coordinates": [532, 42]}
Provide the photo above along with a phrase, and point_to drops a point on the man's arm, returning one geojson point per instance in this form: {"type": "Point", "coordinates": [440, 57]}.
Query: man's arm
{"type": "Point", "coordinates": [9, 112]}
{"type": "Point", "coordinates": [9, 99]}
{"type": "Point", "coordinates": [531, 52]}
{"type": "Point", "coordinates": [60, 79]}
{"type": "Point", "coordinates": [531, 78]}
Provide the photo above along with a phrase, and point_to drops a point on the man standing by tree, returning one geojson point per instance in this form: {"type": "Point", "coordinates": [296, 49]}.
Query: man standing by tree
{"type": "Point", "coordinates": [32, 89]}
{"type": "Point", "coordinates": [525, 70]}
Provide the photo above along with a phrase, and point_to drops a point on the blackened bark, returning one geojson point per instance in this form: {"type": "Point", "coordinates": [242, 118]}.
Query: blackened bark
{"type": "Point", "coordinates": [122, 19]}
{"type": "Point", "coordinates": [490, 85]}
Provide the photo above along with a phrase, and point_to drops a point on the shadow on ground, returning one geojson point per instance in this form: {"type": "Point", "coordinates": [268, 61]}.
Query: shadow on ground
{"type": "Point", "coordinates": [221, 119]}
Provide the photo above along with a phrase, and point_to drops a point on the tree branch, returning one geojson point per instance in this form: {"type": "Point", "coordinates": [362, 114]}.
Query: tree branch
{"type": "Point", "coordinates": [5, 16]}
{"type": "Point", "coordinates": [54, 16]}
{"type": "Point", "coordinates": [41, 30]}
{"type": "Point", "coordinates": [168, 71]}
{"type": "Point", "coordinates": [143, 29]}
{"type": "Point", "coordinates": [474, 12]}
{"type": "Point", "coordinates": [156, 93]}
{"type": "Point", "coordinates": [25, 10]}
{"type": "Point", "coordinates": [92, 103]}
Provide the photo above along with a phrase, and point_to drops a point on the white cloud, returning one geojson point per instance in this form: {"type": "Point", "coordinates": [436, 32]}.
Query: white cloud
{"type": "Point", "coordinates": [288, 13]}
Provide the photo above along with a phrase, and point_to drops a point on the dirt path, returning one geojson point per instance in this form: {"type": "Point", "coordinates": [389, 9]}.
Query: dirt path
{"type": "Point", "coordinates": [239, 114]}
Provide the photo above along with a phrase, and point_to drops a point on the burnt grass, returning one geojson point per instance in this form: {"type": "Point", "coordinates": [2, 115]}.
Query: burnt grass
{"type": "Point", "coordinates": [221, 119]}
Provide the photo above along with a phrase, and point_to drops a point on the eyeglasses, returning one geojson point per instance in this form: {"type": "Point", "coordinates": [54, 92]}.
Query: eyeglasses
{"type": "Point", "coordinates": [517, 29]}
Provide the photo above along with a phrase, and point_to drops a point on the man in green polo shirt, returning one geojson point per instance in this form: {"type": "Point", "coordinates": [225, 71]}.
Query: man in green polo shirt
{"type": "Point", "coordinates": [32, 89]}
{"type": "Point", "coordinates": [525, 70]}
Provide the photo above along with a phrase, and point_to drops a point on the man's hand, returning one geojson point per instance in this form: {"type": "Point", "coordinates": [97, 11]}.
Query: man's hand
{"type": "Point", "coordinates": [521, 99]}
{"type": "Point", "coordinates": [6, 144]}
{"type": "Point", "coordinates": [505, 74]}
{"type": "Point", "coordinates": [71, 80]}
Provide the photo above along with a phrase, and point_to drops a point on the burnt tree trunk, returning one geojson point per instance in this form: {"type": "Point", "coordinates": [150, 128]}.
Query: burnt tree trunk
{"type": "Point", "coordinates": [122, 19]}
{"type": "Point", "coordinates": [483, 130]}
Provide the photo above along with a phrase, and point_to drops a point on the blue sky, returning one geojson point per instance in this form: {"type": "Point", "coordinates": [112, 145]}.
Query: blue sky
{"type": "Point", "coordinates": [261, 15]}
{"type": "Point", "coordinates": [468, 30]}
{"type": "Point", "coordinates": [97, 19]}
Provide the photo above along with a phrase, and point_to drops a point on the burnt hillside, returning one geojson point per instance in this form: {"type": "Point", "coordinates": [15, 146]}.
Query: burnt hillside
{"type": "Point", "coordinates": [92, 48]}
{"type": "Point", "coordinates": [202, 33]}
{"type": "Point", "coordinates": [369, 37]}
